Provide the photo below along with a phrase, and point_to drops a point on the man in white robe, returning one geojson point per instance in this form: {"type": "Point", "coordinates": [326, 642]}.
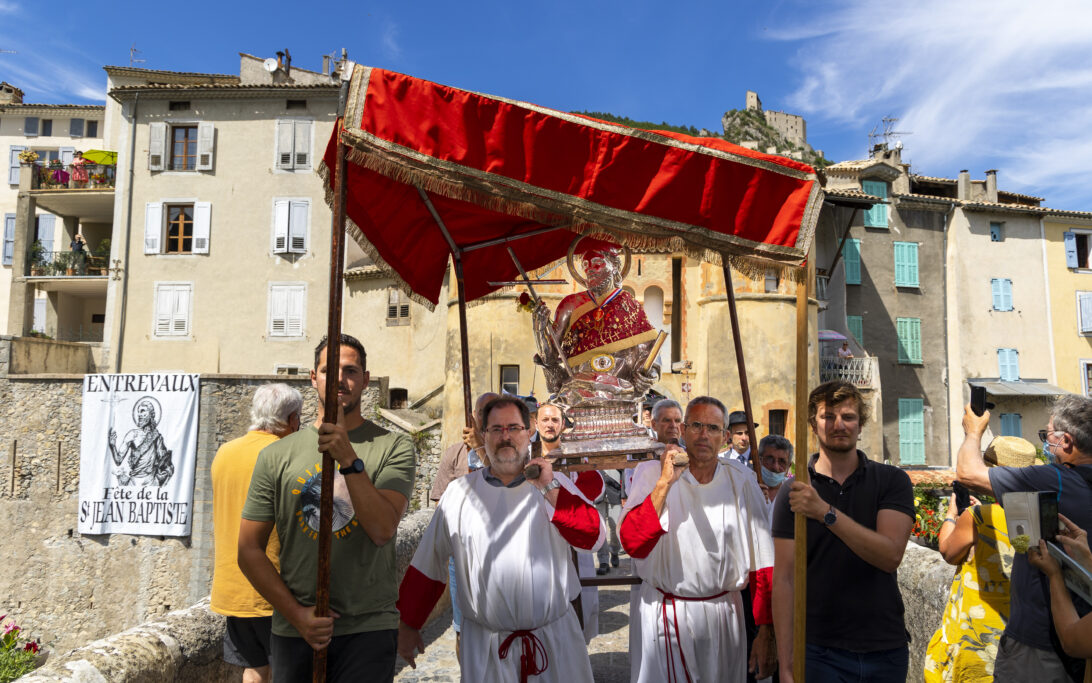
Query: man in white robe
{"type": "Point", "coordinates": [698, 534]}
{"type": "Point", "coordinates": [511, 539]}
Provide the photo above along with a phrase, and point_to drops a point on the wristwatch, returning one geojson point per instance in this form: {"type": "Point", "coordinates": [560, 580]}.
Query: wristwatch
{"type": "Point", "coordinates": [831, 517]}
{"type": "Point", "coordinates": [356, 468]}
{"type": "Point", "coordinates": [554, 484]}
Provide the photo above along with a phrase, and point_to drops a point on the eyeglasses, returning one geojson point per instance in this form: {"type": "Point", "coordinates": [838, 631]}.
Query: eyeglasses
{"type": "Point", "coordinates": [497, 430]}
{"type": "Point", "coordinates": [768, 461]}
{"type": "Point", "coordinates": [1044, 433]}
{"type": "Point", "coordinates": [713, 429]}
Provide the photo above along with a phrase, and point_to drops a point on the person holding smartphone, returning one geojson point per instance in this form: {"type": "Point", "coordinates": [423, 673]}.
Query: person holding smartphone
{"type": "Point", "coordinates": [976, 540]}
{"type": "Point", "coordinates": [1075, 632]}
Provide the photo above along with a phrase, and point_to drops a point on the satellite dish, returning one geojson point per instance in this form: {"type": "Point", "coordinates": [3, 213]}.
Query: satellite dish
{"type": "Point", "coordinates": [270, 65]}
{"type": "Point", "coordinates": [898, 145]}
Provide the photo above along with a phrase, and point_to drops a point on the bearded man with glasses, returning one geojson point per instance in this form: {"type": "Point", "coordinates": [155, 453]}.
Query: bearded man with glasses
{"type": "Point", "coordinates": [511, 538]}
{"type": "Point", "coordinates": [699, 534]}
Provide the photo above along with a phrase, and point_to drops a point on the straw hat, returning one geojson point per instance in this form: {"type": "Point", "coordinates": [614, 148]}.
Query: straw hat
{"type": "Point", "coordinates": [1010, 451]}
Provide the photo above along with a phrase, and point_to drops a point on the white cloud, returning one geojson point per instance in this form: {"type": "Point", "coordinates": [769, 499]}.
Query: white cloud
{"type": "Point", "coordinates": [7, 7]}
{"type": "Point", "coordinates": [392, 49]}
{"type": "Point", "coordinates": [1001, 84]}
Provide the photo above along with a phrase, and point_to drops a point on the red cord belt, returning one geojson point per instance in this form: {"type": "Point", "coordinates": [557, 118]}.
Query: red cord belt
{"type": "Point", "coordinates": [528, 659]}
{"type": "Point", "coordinates": [669, 598]}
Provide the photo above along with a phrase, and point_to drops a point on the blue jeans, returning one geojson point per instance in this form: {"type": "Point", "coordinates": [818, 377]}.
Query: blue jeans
{"type": "Point", "coordinates": [456, 615]}
{"type": "Point", "coordinates": [834, 665]}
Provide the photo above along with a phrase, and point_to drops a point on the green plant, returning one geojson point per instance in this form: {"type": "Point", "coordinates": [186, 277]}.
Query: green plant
{"type": "Point", "coordinates": [37, 255]}
{"type": "Point", "coordinates": [927, 514]}
{"type": "Point", "coordinates": [18, 655]}
{"type": "Point", "coordinates": [102, 250]}
{"type": "Point", "coordinates": [62, 261]}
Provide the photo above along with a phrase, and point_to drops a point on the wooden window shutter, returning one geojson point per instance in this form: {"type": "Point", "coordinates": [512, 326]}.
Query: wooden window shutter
{"type": "Point", "coordinates": [911, 431]}
{"type": "Point", "coordinates": [284, 144]}
{"type": "Point", "coordinates": [302, 144]}
{"type": "Point", "coordinates": [1070, 240]}
{"type": "Point", "coordinates": [180, 319]}
{"type": "Point", "coordinates": [1084, 305]}
{"type": "Point", "coordinates": [153, 226]}
{"type": "Point", "coordinates": [68, 154]}
{"type": "Point", "coordinates": [13, 165]}
{"type": "Point", "coordinates": [206, 141]}
{"type": "Point", "coordinates": [852, 258]}
{"type": "Point", "coordinates": [46, 226]}
{"type": "Point", "coordinates": [856, 327]}
{"type": "Point", "coordinates": [9, 238]}
{"type": "Point", "coordinates": [298, 227]}
{"type": "Point", "coordinates": [157, 146]}
{"type": "Point", "coordinates": [202, 217]}
{"type": "Point", "coordinates": [164, 309]}
{"type": "Point", "coordinates": [280, 225]}
{"type": "Point", "coordinates": [296, 295]}
{"type": "Point", "coordinates": [876, 217]}
{"type": "Point", "coordinates": [278, 311]}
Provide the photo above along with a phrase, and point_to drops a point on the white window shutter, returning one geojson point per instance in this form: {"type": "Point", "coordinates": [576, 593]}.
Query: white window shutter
{"type": "Point", "coordinates": [297, 227]}
{"type": "Point", "coordinates": [302, 145]}
{"type": "Point", "coordinates": [164, 308]}
{"type": "Point", "coordinates": [284, 144]}
{"type": "Point", "coordinates": [278, 311]}
{"type": "Point", "coordinates": [180, 319]}
{"type": "Point", "coordinates": [206, 138]}
{"type": "Point", "coordinates": [1085, 304]}
{"type": "Point", "coordinates": [153, 226]}
{"type": "Point", "coordinates": [157, 146]}
{"type": "Point", "coordinates": [294, 312]}
{"type": "Point", "coordinates": [13, 164]}
{"type": "Point", "coordinates": [280, 226]}
{"type": "Point", "coordinates": [202, 218]}
{"type": "Point", "coordinates": [67, 155]}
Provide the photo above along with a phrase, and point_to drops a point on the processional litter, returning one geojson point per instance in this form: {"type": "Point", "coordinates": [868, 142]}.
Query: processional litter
{"type": "Point", "coordinates": [421, 175]}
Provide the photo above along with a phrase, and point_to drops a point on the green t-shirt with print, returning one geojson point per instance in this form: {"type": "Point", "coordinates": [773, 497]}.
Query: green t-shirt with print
{"type": "Point", "coordinates": [285, 489]}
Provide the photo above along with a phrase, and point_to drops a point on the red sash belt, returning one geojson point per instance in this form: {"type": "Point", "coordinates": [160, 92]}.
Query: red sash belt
{"type": "Point", "coordinates": [669, 598]}
{"type": "Point", "coordinates": [528, 659]}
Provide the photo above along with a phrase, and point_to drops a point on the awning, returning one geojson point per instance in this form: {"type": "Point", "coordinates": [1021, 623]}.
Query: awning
{"type": "Point", "coordinates": [1018, 388]}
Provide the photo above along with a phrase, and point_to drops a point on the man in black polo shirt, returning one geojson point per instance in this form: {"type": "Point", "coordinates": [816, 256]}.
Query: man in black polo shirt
{"type": "Point", "coordinates": [859, 518]}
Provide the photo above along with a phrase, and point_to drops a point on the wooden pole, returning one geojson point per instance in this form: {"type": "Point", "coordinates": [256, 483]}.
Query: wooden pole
{"type": "Point", "coordinates": [333, 379]}
{"type": "Point", "coordinates": [800, 549]}
{"type": "Point", "coordinates": [741, 365]}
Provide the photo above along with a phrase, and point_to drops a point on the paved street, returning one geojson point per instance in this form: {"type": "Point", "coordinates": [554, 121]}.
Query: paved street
{"type": "Point", "coordinates": [609, 651]}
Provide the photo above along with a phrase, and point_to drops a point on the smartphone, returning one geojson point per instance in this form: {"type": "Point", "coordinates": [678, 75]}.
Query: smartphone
{"type": "Point", "coordinates": [962, 496]}
{"type": "Point", "coordinates": [1048, 515]}
{"type": "Point", "coordinates": [978, 400]}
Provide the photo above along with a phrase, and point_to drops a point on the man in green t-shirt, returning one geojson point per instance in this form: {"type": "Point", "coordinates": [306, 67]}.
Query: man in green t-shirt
{"type": "Point", "coordinates": [375, 476]}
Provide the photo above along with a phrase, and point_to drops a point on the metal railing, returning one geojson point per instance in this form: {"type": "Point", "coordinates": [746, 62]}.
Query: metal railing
{"type": "Point", "coordinates": [822, 283]}
{"type": "Point", "coordinates": [57, 176]}
{"type": "Point", "coordinates": [857, 371]}
{"type": "Point", "coordinates": [57, 263]}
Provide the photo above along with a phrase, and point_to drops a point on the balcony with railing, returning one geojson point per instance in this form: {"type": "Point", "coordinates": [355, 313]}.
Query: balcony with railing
{"type": "Point", "coordinates": [66, 263]}
{"type": "Point", "coordinates": [76, 176]}
{"type": "Point", "coordinates": [861, 372]}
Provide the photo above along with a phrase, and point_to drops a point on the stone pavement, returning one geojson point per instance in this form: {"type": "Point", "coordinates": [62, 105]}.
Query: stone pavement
{"type": "Point", "coordinates": [609, 651]}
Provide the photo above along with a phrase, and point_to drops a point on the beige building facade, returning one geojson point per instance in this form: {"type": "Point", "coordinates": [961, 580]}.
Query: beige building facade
{"type": "Point", "coordinates": [1066, 242]}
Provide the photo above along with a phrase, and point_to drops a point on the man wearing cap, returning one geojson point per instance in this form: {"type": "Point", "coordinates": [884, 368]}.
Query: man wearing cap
{"type": "Point", "coordinates": [741, 440]}
{"type": "Point", "coordinates": [1028, 648]}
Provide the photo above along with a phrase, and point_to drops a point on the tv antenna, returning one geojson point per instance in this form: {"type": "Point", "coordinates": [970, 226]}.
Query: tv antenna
{"type": "Point", "coordinates": [887, 135]}
{"type": "Point", "coordinates": [133, 52]}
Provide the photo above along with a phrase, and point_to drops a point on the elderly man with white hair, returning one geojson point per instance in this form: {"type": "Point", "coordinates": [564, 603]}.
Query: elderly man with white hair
{"type": "Point", "coordinates": [274, 414]}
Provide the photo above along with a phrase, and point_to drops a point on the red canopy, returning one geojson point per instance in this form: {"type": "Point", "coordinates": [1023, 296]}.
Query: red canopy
{"type": "Point", "coordinates": [495, 168]}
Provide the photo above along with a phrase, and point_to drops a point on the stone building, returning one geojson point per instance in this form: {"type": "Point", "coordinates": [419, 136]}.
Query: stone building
{"type": "Point", "coordinates": [1066, 237]}
{"type": "Point", "coordinates": [791, 126]}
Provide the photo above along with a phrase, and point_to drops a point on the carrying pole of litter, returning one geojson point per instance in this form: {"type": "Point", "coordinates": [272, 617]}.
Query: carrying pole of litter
{"type": "Point", "coordinates": [800, 546]}
{"type": "Point", "coordinates": [741, 365]}
{"type": "Point", "coordinates": [333, 379]}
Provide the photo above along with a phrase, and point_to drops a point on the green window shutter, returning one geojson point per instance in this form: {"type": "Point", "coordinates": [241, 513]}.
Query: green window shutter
{"type": "Point", "coordinates": [906, 264]}
{"type": "Point", "coordinates": [911, 431]}
{"type": "Point", "coordinates": [876, 217]}
{"type": "Point", "coordinates": [856, 327]}
{"type": "Point", "coordinates": [909, 333]}
{"type": "Point", "coordinates": [852, 258]}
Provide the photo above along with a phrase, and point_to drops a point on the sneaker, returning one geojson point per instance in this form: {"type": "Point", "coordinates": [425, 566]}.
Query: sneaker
{"type": "Point", "coordinates": [613, 560]}
{"type": "Point", "coordinates": [603, 569]}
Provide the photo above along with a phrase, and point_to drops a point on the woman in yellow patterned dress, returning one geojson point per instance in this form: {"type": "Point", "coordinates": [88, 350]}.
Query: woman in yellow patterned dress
{"type": "Point", "coordinates": [964, 648]}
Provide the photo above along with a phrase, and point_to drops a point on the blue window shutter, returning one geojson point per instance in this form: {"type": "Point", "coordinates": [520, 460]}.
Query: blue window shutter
{"type": "Point", "coordinates": [13, 171]}
{"type": "Point", "coordinates": [30, 125]}
{"type": "Point", "coordinates": [1070, 240]}
{"type": "Point", "coordinates": [45, 232]}
{"type": "Point", "coordinates": [911, 431]}
{"type": "Point", "coordinates": [1008, 365]}
{"type": "Point", "coordinates": [876, 217]}
{"type": "Point", "coordinates": [995, 289]}
{"type": "Point", "coordinates": [906, 264]}
{"type": "Point", "coordinates": [1010, 424]}
{"type": "Point", "coordinates": [856, 327]}
{"type": "Point", "coordinates": [915, 340]}
{"type": "Point", "coordinates": [1006, 294]}
{"type": "Point", "coordinates": [909, 334]}
{"type": "Point", "coordinates": [852, 257]}
{"type": "Point", "coordinates": [9, 238]}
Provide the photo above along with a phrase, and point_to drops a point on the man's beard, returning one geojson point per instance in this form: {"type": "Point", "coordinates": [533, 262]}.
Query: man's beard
{"type": "Point", "coordinates": [852, 448]}
{"type": "Point", "coordinates": [546, 439]}
{"type": "Point", "coordinates": [511, 454]}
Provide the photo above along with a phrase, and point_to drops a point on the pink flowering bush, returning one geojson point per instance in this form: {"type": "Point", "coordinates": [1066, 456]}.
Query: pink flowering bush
{"type": "Point", "coordinates": [18, 655]}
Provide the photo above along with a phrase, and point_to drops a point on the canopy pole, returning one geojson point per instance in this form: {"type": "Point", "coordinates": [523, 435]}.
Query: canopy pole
{"type": "Point", "coordinates": [800, 546]}
{"type": "Point", "coordinates": [464, 344]}
{"type": "Point", "coordinates": [741, 365]}
{"type": "Point", "coordinates": [333, 380]}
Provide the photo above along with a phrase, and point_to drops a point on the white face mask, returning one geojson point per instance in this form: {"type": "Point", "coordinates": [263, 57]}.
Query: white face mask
{"type": "Point", "coordinates": [771, 478]}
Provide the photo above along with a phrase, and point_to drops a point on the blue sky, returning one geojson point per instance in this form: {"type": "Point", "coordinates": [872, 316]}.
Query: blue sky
{"type": "Point", "coordinates": [979, 85]}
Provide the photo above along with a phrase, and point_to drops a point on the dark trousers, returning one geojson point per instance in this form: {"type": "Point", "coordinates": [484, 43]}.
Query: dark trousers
{"type": "Point", "coordinates": [353, 657]}
{"type": "Point", "coordinates": [752, 631]}
{"type": "Point", "coordinates": [834, 665]}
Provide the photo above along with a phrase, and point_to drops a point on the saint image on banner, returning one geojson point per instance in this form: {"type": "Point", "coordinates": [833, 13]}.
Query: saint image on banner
{"type": "Point", "coordinates": [142, 457]}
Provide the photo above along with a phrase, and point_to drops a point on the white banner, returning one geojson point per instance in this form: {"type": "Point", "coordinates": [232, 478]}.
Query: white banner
{"type": "Point", "coordinates": [138, 454]}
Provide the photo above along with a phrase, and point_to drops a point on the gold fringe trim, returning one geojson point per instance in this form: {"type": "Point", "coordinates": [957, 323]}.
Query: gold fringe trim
{"type": "Point", "coordinates": [641, 338]}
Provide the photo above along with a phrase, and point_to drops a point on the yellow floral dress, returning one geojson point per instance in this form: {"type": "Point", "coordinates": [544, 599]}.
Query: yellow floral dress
{"type": "Point", "coordinates": [965, 646]}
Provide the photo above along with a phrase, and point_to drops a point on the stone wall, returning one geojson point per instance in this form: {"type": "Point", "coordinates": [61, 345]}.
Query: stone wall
{"type": "Point", "coordinates": [68, 588]}
{"type": "Point", "coordinates": [184, 645]}
{"type": "Point", "coordinates": [924, 579]}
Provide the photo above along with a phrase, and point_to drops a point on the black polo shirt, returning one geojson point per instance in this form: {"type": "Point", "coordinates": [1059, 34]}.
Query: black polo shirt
{"type": "Point", "coordinates": [852, 605]}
